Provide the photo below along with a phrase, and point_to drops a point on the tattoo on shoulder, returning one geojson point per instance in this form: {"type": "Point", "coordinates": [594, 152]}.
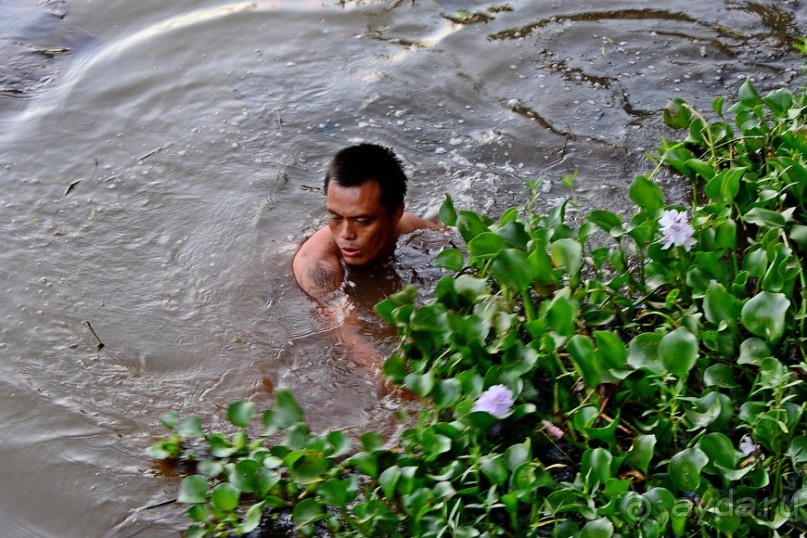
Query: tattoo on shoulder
{"type": "Point", "coordinates": [323, 277]}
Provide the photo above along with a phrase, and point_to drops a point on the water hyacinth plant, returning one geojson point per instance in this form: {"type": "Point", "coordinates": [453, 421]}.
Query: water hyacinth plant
{"type": "Point", "coordinates": [637, 377]}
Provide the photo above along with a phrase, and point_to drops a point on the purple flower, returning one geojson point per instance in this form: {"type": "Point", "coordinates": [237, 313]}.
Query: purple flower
{"type": "Point", "coordinates": [551, 430]}
{"type": "Point", "coordinates": [676, 230]}
{"type": "Point", "coordinates": [497, 401]}
{"type": "Point", "coordinates": [747, 446]}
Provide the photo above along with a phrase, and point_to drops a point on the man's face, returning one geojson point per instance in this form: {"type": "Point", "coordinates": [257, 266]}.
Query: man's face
{"type": "Point", "coordinates": [361, 226]}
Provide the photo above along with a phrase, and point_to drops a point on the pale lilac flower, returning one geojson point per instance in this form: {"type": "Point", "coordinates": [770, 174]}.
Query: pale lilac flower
{"type": "Point", "coordinates": [747, 446]}
{"type": "Point", "coordinates": [497, 401]}
{"type": "Point", "coordinates": [676, 230]}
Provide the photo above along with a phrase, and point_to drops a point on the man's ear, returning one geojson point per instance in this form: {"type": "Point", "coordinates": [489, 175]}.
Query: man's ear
{"type": "Point", "coordinates": [398, 213]}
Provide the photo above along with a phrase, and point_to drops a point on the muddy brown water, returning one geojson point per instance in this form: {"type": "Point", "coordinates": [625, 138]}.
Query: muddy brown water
{"type": "Point", "coordinates": [158, 173]}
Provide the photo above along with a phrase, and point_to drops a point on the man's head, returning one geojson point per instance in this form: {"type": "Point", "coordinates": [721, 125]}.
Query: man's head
{"type": "Point", "coordinates": [356, 165]}
{"type": "Point", "coordinates": [365, 185]}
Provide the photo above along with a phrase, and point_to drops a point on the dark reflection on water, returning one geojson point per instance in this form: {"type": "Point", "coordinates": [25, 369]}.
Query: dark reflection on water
{"type": "Point", "coordinates": [159, 172]}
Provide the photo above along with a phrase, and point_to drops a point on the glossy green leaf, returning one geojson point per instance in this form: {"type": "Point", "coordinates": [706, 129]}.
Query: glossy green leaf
{"type": "Point", "coordinates": [567, 253]}
{"type": "Point", "coordinates": [641, 451]}
{"type": "Point", "coordinates": [581, 350]}
{"type": "Point", "coordinates": [596, 466]}
{"type": "Point", "coordinates": [446, 392]}
{"type": "Point", "coordinates": [448, 215]}
{"type": "Point", "coordinates": [494, 468]}
{"type": "Point", "coordinates": [470, 225]}
{"type": "Point", "coordinates": [719, 375]}
{"type": "Point", "coordinates": [225, 497]}
{"type": "Point", "coordinates": [685, 468]}
{"type": "Point", "coordinates": [765, 218]}
{"type": "Point", "coordinates": [677, 114]}
{"type": "Point", "coordinates": [240, 413]}
{"type": "Point", "coordinates": [723, 187]}
{"type": "Point", "coordinates": [450, 258]}
{"type": "Point", "coordinates": [190, 427]}
{"type": "Point", "coordinates": [307, 512]}
{"type": "Point", "coordinates": [252, 518]}
{"type": "Point", "coordinates": [193, 489]}
{"type": "Point", "coordinates": [598, 528]}
{"type": "Point", "coordinates": [678, 351]}
{"type": "Point", "coordinates": [748, 94]}
{"type": "Point", "coordinates": [643, 352]}
{"type": "Point", "coordinates": [339, 492]}
{"type": "Point", "coordinates": [765, 315]}
{"type": "Point", "coordinates": [511, 268]}
{"type": "Point", "coordinates": [720, 305]}
{"type": "Point", "coordinates": [245, 475]}
{"type": "Point", "coordinates": [646, 194]}
{"type": "Point", "coordinates": [388, 480]}
{"type": "Point", "coordinates": [606, 220]}
{"type": "Point", "coordinates": [517, 455]}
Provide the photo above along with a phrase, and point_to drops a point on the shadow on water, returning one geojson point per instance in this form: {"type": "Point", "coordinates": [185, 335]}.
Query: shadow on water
{"type": "Point", "coordinates": [158, 174]}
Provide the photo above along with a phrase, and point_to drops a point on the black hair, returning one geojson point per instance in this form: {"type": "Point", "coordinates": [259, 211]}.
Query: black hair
{"type": "Point", "coordinates": [355, 165]}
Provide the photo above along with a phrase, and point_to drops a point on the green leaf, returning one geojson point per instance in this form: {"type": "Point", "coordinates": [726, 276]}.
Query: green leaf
{"type": "Point", "coordinates": [420, 384]}
{"type": "Point", "coordinates": [307, 512]}
{"type": "Point", "coordinates": [190, 427]}
{"type": "Point", "coordinates": [599, 528]}
{"type": "Point", "coordinates": [611, 352]}
{"type": "Point", "coordinates": [748, 94]}
{"type": "Point", "coordinates": [245, 475]}
{"type": "Point", "coordinates": [470, 225]}
{"type": "Point", "coordinates": [719, 305]}
{"type": "Point", "coordinates": [779, 101]}
{"type": "Point", "coordinates": [797, 450]}
{"type": "Point", "coordinates": [685, 468]}
{"type": "Point", "coordinates": [512, 269]}
{"type": "Point", "coordinates": [448, 215]}
{"type": "Point", "coordinates": [581, 350]}
{"type": "Point", "coordinates": [677, 114]}
{"type": "Point", "coordinates": [567, 253]}
{"type": "Point", "coordinates": [720, 451]}
{"type": "Point", "coordinates": [339, 492]}
{"type": "Point", "coordinates": [240, 413]}
{"type": "Point", "coordinates": [641, 452]}
{"type": "Point", "coordinates": [765, 218]}
{"type": "Point", "coordinates": [388, 480]}
{"type": "Point", "coordinates": [225, 497]}
{"type": "Point", "coordinates": [193, 489]}
{"type": "Point", "coordinates": [798, 234]}
{"type": "Point", "coordinates": [719, 375]}
{"type": "Point", "coordinates": [517, 455]}
{"type": "Point", "coordinates": [450, 258]}
{"type": "Point", "coordinates": [285, 413]}
{"type": "Point", "coordinates": [723, 188]}
{"type": "Point", "coordinates": [596, 466]}
{"type": "Point", "coordinates": [309, 468]}
{"type": "Point", "coordinates": [562, 314]}
{"type": "Point", "coordinates": [765, 314]}
{"type": "Point", "coordinates": [678, 351]}
{"type": "Point", "coordinates": [486, 245]}
{"type": "Point", "coordinates": [753, 350]}
{"type": "Point", "coordinates": [446, 392]}
{"type": "Point", "coordinates": [170, 420]}
{"type": "Point", "coordinates": [643, 352]}
{"type": "Point", "coordinates": [494, 469]}
{"type": "Point", "coordinates": [606, 220]}
{"type": "Point", "coordinates": [646, 194]}
{"type": "Point", "coordinates": [340, 443]}
{"type": "Point", "coordinates": [252, 518]}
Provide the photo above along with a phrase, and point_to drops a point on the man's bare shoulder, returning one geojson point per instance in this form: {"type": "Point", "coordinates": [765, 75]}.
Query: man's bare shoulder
{"type": "Point", "coordinates": [410, 222]}
{"type": "Point", "coordinates": [316, 265]}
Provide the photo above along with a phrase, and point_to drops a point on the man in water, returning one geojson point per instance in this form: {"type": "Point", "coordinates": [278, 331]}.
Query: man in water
{"type": "Point", "coordinates": [365, 185]}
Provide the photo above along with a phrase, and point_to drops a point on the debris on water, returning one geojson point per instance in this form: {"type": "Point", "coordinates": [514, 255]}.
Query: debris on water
{"type": "Point", "coordinates": [71, 186]}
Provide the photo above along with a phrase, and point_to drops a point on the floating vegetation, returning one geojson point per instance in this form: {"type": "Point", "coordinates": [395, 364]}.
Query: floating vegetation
{"type": "Point", "coordinates": [616, 376]}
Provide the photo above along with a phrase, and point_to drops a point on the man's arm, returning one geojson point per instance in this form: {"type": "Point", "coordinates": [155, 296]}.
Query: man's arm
{"type": "Point", "coordinates": [316, 265]}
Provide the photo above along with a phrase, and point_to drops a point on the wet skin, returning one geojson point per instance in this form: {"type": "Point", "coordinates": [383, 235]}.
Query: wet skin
{"type": "Point", "coordinates": [360, 231]}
